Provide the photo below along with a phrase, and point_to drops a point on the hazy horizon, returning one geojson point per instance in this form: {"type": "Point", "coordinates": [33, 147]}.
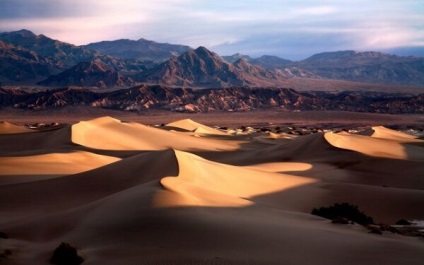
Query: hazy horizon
{"type": "Point", "coordinates": [290, 30]}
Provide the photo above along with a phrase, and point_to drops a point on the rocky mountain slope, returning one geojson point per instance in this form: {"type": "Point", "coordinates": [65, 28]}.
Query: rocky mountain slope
{"type": "Point", "coordinates": [142, 98]}
{"type": "Point", "coordinates": [91, 74]}
{"type": "Point", "coordinates": [203, 68]}
{"type": "Point", "coordinates": [18, 64]}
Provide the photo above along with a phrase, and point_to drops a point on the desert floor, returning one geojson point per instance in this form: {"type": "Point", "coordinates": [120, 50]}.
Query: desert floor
{"type": "Point", "coordinates": [185, 192]}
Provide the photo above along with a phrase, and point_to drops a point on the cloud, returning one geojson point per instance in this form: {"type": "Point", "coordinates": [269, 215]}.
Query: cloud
{"type": "Point", "coordinates": [316, 11]}
{"type": "Point", "coordinates": [280, 27]}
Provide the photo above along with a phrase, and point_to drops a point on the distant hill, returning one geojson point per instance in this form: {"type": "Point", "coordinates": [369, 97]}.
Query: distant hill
{"type": "Point", "coordinates": [92, 74]}
{"type": "Point", "coordinates": [141, 49]}
{"type": "Point", "coordinates": [374, 67]}
{"type": "Point", "coordinates": [271, 62]}
{"type": "Point", "coordinates": [235, 57]}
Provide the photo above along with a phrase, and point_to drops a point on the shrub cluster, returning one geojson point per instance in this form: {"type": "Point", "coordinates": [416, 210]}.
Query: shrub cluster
{"type": "Point", "coordinates": [343, 210]}
{"type": "Point", "coordinates": [65, 254]}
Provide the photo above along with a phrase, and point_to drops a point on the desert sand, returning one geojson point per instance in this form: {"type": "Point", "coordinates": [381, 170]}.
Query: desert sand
{"type": "Point", "coordinates": [187, 193]}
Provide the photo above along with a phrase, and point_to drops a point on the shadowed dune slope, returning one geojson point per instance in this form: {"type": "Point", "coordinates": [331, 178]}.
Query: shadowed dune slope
{"type": "Point", "coordinates": [36, 142]}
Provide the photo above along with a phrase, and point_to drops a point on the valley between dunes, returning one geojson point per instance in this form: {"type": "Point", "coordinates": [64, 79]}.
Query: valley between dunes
{"type": "Point", "coordinates": [186, 193]}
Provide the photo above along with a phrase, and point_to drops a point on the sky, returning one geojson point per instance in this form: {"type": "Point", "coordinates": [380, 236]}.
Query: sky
{"type": "Point", "coordinates": [291, 29]}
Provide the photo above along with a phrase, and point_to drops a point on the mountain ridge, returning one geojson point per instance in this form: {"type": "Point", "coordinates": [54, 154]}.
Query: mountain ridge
{"type": "Point", "coordinates": [200, 67]}
{"type": "Point", "coordinates": [142, 49]}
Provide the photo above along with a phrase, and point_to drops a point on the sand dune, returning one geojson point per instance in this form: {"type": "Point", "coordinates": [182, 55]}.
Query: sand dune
{"type": "Point", "coordinates": [37, 142]}
{"type": "Point", "coordinates": [197, 128]}
{"type": "Point", "coordinates": [126, 193]}
{"type": "Point", "coordinates": [28, 168]}
{"type": "Point", "coordinates": [198, 177]}
{"type": "Point", "coordinates": [380, 147]}
{"type": "Point", "coordinates": [112, 134]}
{"type": "Point", "coordinates": [9, 128]}
{"type": "Point", "coordinates": [385, 133]}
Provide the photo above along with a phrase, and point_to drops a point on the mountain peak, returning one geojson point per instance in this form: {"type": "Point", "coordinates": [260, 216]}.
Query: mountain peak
{"type": "Point", "coordinates": [202, 50]}
{"type": "Point", "coordinates": [24, 33]}
{"type": "Point", "coordinates": [241, 61]}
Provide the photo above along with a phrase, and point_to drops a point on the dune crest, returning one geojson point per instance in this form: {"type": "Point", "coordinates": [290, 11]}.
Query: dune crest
{"type": "Point", "coordinates": [282, 166]}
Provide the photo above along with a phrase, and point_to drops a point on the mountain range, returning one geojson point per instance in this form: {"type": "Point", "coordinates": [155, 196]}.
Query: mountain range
{"type": "Point", "coordinates": [30, 59]}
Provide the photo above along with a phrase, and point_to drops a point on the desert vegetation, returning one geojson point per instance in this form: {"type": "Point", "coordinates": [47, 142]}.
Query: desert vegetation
{"type": "Point", "coordinates": [344, 211]}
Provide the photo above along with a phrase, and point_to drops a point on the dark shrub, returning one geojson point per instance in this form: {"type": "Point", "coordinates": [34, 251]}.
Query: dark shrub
{"type": "Point", "coordinates": [341, 220]}
{"type": "Point", "coordinates": [343, 210]}
{"type": "Point", "coordinates": [403, 222]}
{"type": "Point", "coordinates": [375, 230]}
{"type": "Point", "coordinates": [3, 235]}
{"type": "Point", "coordinates": [65, 254]}
{"type": "Point", "coordinates": [6, 253]}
